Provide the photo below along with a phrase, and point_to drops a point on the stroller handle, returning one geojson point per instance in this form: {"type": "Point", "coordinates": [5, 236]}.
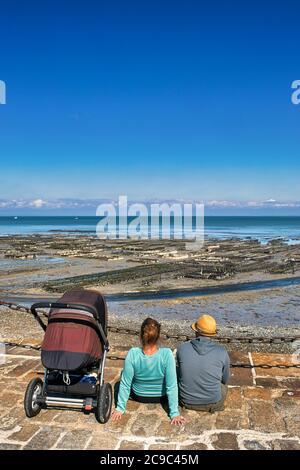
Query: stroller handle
{"type": "Point", "coordinates": [67, 306]}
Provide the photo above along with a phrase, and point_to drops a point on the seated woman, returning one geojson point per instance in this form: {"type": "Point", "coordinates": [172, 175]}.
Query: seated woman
{"type": "Point", "coordinates": [149, 375]}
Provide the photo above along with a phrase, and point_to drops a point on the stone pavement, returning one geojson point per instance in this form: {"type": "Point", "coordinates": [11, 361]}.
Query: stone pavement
{"type": "Point", "coordinates": [262, 412]}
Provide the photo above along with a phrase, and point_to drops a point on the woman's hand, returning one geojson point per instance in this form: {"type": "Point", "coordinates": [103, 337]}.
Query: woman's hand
{"type": "Point", "coordinates": [178, 420]}
{"type": "Point", "coordinates": [116, 415]}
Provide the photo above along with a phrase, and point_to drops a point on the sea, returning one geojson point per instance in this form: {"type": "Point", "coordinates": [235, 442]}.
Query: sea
{"type": "Point", "coordinates": [262, 228]}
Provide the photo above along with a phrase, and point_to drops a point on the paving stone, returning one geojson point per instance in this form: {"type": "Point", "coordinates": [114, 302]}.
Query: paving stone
{"type": "Point", "coordinates": [10, 350]}
{"type": "Point", "coordinates": [290, 383]}
{"type": "Point", "coordinates": [27, 352]}
{"type": "Point", "coordinates": [199, 421]}
{"type": "Point", "coordinates": [234, 399]}
{"type": "Point", "coordinates": [17, 386]}
{"type": "Point", "coordinates": [111, 375]}
{"type": "Point", "coordinates": [144, 425]}
{"type": "Point", "coordinates": [67, 417]}
{"type": "Point", "coordinates": [116, 364]}
{"type": "Point", "coordinates": [241, 377]}
{"type": "Point", "coordinates": [10, 384]}
{"type": "Point", "coordinates": [194, 446]}
{"type": "Point", "coordinates": [33, 341]}
{"type": "Point", "coordinates": [9, 400]}
{"type": "Point", "coordinates": [267, 382]}
{"type": "Point", "coordinates": [73, 440]}
{"type": "Point", "coordinates": [281, 444]}
{"type": "Point", "coordinates": [167, 429]}
{"type": "Point", "coordinates": [162, 447]}
{"type": "Point", "coordinates": [88, 420]}
{"type": "Point", "coordinates": [25, 433]}
{"type": "Point", "coordinates": [11, 419]}
{"type": "Point", "coordinates": [289, 409]}
{"type": "Point", "coordinates": [3, 384]}
{"type": "Point", "coordinates": [7, 368]}
{"type": "Point", "coordinates": [152, 406]}
{"type": "Point", "coordinates": [9, 447]}
{"type": "Point", "coordinates": [264, 418]}
{"type": "Point", "coordinates": [240, 357]}
{"type": "Point", "coordinates": [133, 406]}
{"type": "Point", "coordinates": [119, 426]}
{"type": "Point", "coordinates": [128, 445]}
{"type": "Point", "coordinates": [45, 438]}
{"type": "Point", "coordinates": [30, 375]}
{"type": "Point", "coordinates": [46, 416]}
{"type": "Point", "coordinates": [258, 393]}
{"type": "Point", "coordinates": [274, 359]}
{"type": "Point", "coordinates": [291, 393]}
{"type": "Point", "coordinates": [22, 369]}
{"type": "Point", "coordinates": [232, 419]}
{"type": "Point", "coordinates": [255, 445]}
{"type": "Point", "coordinates": [277, 372]}
{"type": "Point", "coordinates": [224, 441]}
{"type": "Point", "coordinates": [271, 406]}
{"type": "Point", "coordinates": [103, 441]}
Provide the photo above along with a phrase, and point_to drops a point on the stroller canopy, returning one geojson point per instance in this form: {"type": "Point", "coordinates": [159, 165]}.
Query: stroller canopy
{"type": "Point", "coordinates": [72, 339]}
{"type": "Point", "coordinates": [90, 298]}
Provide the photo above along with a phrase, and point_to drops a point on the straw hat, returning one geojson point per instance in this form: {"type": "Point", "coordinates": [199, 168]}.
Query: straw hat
{"type": "Point", "coordinates": [205, 325]}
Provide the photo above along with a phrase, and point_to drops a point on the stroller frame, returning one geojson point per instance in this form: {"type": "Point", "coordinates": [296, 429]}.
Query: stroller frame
{"type": "Point", "coordinates": [37, 395]}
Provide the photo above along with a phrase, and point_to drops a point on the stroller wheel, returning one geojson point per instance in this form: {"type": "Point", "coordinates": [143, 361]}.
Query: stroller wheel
{"type": "Point", "coordinates": [104, 403]}
{"type": "Point", "coordinates": [34, 389]}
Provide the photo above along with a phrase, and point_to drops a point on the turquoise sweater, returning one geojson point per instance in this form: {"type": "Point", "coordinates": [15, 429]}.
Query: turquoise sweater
{"type": "Point", "coordinates": [149, 376]}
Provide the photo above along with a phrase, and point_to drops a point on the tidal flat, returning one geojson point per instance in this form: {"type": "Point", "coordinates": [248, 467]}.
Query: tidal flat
{"type": "Point", "coordinates": [44, 266]}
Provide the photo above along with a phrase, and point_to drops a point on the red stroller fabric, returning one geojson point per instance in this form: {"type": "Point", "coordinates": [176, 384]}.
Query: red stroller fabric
{"type": "Point", "coordinates": [72, 339]}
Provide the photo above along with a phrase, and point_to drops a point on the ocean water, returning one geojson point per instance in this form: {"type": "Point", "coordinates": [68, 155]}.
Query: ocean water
{"type": "Point", "coordinates": [242, 227]}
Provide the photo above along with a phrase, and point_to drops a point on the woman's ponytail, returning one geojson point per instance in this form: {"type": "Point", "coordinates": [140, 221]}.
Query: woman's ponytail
{"type": "Point", "coordinates": [150, 332]}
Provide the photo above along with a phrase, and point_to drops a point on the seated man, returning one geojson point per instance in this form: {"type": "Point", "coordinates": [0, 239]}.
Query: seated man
{"type": "Point", "coordinates": [203, 369]}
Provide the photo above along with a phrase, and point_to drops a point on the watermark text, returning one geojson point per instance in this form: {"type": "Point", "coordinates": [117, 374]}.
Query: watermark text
{"type": "Point", "coordinates": [296, 93]}
{"type": "Point", "coordinates": [155, 221]}
{"type": "Point", "coordinates": [2, 92]}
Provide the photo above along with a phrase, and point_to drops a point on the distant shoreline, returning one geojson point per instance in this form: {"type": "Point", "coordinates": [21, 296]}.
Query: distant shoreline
{"type": "Point", "coordinates": [212, 238]}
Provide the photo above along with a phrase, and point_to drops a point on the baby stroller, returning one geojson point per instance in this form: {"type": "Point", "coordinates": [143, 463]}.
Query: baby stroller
{"type": "Point", "coordinates": [73, 353]}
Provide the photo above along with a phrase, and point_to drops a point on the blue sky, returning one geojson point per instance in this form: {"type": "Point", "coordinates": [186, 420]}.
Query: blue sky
{"type": "Point", "coordinates": [150, 99]}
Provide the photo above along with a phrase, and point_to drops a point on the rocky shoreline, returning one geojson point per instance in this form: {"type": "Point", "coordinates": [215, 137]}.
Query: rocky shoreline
{"type": "Point", "coordinates": [19, 326]}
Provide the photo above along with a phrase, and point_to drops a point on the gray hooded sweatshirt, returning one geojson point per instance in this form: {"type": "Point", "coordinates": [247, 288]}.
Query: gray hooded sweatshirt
{"type": "Point", "coordinates": [203, 365]}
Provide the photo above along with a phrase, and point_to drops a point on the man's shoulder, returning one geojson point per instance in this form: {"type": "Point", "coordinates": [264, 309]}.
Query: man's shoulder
{"type": "Point", "coordinates": [183, 346]}
{"type": "Point", "coordinates": [221, 349]}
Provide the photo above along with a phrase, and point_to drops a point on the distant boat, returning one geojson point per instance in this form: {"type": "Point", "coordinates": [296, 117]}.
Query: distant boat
{"type": "Point", "coordinates": [16, 218]}
{"type": "Point", "coordinates": [76, 218]}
